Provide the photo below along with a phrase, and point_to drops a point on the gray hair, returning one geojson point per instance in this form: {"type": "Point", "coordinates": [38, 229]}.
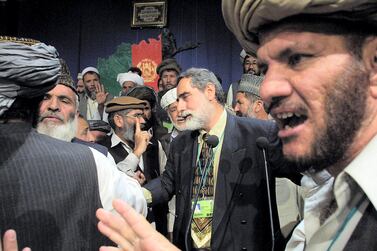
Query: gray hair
{"type": "Point", "coordinates": [201, 77]}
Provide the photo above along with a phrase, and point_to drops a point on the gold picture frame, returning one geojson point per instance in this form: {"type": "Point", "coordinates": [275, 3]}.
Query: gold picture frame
{"type": "Point", "coordinates": [149, 14]}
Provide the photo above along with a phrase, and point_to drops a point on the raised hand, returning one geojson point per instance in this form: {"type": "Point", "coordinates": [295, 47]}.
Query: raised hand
{"type": "Point", "coordinates": [131, 231]}
{"type": "Point", "coordinates": [101, 94]}
{"type": "Point", "coordinates": [142, 139]}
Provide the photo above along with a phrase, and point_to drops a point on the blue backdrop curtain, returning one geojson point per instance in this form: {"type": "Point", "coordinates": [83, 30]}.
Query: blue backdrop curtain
{"type": "Point", "coordinates": [84, 31]}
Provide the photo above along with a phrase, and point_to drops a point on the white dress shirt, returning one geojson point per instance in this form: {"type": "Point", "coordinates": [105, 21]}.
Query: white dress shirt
{"type": "Point", "coordinates": [113, 184]}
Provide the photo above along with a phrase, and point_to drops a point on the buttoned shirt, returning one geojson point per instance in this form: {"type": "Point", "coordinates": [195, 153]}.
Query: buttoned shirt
{"type": "Point", "coordinates": [354, 188]}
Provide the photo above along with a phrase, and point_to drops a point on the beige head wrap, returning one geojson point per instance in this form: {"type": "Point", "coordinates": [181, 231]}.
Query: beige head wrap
{"type": "Point", "coordinates": [245, 17]}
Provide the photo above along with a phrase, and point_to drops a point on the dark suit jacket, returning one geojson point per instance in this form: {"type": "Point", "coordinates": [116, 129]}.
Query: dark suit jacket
{"type": "Point", "coordinates": [241, 213]}
{"type": "Point", "coordinates": [48, 191]}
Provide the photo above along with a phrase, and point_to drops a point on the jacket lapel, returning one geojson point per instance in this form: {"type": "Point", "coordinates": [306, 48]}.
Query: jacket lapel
{"type": "Point", "coordinates": [187, 167]}
{"type": "Point", "coordinates": [228, 175]}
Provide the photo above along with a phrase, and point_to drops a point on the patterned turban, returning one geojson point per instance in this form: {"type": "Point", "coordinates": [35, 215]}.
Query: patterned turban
{"type": "Point", "coordinates": [245, 17]}
{"type": "Point", "coordinates": [26, 70]}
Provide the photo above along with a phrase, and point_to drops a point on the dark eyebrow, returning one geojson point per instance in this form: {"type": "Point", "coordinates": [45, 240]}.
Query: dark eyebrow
{"type": "Point", "coordinates": [281, 56]}
{"type": "Point", "coordinates": [182, 94]}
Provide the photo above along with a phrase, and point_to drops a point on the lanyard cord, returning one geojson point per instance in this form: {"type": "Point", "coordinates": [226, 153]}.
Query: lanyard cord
{"type": "Point", "coordinates": [346, 221]}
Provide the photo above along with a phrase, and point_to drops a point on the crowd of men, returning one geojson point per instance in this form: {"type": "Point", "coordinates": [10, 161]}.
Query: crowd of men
{"type": "Point", "coordinates": [190, 167]}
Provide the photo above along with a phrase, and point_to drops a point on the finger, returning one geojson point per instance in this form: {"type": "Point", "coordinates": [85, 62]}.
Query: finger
{"type": "Point", "coordinates": [109, 248]}
{"type": "Point", "coordinates": [115, 236]}
{"type": "Point", "coordinates": [137, 222]}
{"type": "Point", "coordinates": [10, 240]}
{"type": "Point", "coordinates": [116, 227]}
{"type": "Point", "coordinates": [137, 126]}
{"type": "Point", "coordinates": [97, 87]}
{"type": "Point", "coordinates": [102, 88]}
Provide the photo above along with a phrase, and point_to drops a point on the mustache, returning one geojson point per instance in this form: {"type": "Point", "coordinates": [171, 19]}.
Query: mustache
{"type": "Point", "coordinates": [184, 114]}
{"type": "Point", "coordinates": [50, 114]}
{"type": "Point", "coordinates": [275, 102]}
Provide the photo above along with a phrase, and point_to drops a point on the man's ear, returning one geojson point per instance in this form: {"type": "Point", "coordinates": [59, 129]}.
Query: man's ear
{"type": "Point", "coordinates": [258, 106]}
{"type": "Point", "coordinates": [118, 120]}
{"type": "Point", "coordinates": [370, 61]}
{"type": "Point", "coordinates": [210, 91]}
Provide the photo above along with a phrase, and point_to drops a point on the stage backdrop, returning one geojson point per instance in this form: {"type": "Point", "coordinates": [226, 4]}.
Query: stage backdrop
{"type": "Point", "coordinates": [87, 33]}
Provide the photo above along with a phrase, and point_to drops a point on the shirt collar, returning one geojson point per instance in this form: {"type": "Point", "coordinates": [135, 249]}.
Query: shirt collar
{"type": "Point", "coordinates": [217, 130]}
{"type": "Point", "coordinates": [362, 169]}
{"type": "Point", "coordinates": [115, 140]}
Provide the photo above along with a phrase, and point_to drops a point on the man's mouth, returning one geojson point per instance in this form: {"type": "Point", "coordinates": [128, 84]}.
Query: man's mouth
{"type": "Point", "coordinates": [183, 117]}
{"type": "Point", "coordinates": [289, 120]}
{"type": "Point", "coordinates": [53, 118]}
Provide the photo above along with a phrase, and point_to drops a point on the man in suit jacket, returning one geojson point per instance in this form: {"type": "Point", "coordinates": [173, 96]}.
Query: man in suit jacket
{"type": "Point", "coordinates": [240, 214]}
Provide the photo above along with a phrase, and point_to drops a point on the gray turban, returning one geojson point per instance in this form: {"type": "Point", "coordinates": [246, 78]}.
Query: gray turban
{"type": "Point", "coordinates": [245, 17]}
{"type": "Point", "coordinates": [26, 71]}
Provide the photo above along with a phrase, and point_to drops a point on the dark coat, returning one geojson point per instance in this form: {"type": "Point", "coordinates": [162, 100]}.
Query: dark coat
{"type": "Point", "coordinates": [48, 191]}
{"type": "Point", "coordinates": [241, 214]}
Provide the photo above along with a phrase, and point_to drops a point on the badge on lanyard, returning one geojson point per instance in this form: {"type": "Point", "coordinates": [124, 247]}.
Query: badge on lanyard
{"type": "Point", "coordinates": [203, 209]}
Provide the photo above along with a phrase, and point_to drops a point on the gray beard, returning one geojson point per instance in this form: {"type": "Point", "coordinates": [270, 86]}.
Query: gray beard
{"type": "Point", "coordinates": [129, 132]}
{"type": "Point", "coordinates": [65, 132]}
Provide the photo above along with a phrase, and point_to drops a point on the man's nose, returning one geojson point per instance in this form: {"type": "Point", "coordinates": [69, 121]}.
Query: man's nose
{"type": "Point", "coordinates": [181, 106]}
{"type": "Point", "coordinates": [276, 83]}
{"type": "Point", "coordinates": [53, 104]}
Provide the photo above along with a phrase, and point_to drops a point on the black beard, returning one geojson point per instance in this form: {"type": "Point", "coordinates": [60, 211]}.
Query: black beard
{"type": "Point", "coordinates": [345, 108]}
{"type": "Point", "coordinates": [148, 124]}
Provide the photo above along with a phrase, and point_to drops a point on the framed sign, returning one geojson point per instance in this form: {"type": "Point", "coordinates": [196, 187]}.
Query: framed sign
{"type": "Point", "coordinates": [149, 13]}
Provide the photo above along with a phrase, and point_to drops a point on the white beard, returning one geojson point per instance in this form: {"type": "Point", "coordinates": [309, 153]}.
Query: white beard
{"type": "Point", "coordinates": [199, 118]}
{"type": "Point", "coordinates": [65, 132]}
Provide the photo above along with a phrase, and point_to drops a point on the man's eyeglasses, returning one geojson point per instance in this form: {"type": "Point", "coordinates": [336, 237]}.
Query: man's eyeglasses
{"type": "Point", "coordinates": [135, 116]}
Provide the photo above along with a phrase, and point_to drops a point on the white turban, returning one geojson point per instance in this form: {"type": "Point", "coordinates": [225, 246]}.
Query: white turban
{"type": "Point", "coordinates": [130, 76]}
{"type": "Point", "coordinates": [89, 69]}
{"type": "Point", "coordinates": [169, 98]}
{"type": "Point", "coordinates": [245, 17]}
{"type": "Point", "coordinates": [26, 71]}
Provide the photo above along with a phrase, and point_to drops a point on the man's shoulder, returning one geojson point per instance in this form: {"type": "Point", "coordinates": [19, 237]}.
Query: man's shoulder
{"type": "Point", "coordinates": [251, 122]}
{"type": "Point", "coordinates": [183, 139]}
{"type": "Point", "coordinates": [60, 146]}
{"type": "Point", "coordinates": [250, 126]}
